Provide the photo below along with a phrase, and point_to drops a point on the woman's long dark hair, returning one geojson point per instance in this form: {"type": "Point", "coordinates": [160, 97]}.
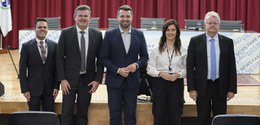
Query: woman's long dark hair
{"type": "Point", "coordinates": [177, 43]}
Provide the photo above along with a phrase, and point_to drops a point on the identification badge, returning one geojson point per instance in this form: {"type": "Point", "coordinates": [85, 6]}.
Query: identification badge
{"type": "Point", "coordinates": [170, 69]}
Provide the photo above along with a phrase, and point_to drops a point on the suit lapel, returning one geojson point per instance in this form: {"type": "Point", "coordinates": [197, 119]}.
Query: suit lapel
{"type": "Point", "coordinates": [221, 44]}
{"type": "Point", "coordinates": [75, 41]}
{"type": "Point", "coordinates": [132, 40]}
{"type": "Point", "coordinates": [36, 50]}
{"type": "Point", "coordinates": [91, 41]}
{"type": "Point", "coordinates": [204, 47]}
{"type": "Point", "coordinates": [49, 47]}
{"type": "Point", "coordinates": [120, 40]}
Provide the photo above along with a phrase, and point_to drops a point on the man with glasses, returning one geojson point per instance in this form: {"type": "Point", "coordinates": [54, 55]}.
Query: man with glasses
{"type": "Point", "coordinates": [211, 70]}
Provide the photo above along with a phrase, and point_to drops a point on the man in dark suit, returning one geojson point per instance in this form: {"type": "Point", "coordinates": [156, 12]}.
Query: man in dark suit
{"type": "Point", "coordinates": [37, 70]}
{"type": "Point", "coordinates": [123, 52]}
{"type": "Point", "coordinates": [211, 70]}
{"type": "Point", "coordinates": [78, 66]}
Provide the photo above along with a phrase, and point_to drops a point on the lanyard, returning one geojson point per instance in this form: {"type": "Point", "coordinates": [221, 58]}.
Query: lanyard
{"type": "Point", "coordinates": [170, 59]}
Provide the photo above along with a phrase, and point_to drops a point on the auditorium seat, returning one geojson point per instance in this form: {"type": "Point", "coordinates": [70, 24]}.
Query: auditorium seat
{"type": "Point", "coordinates": [2, 89]}
{"type": "Point", "coordinates": [53, 22]}
{"type": "Point", "coordinates": [231, 25]}
{"type": "Point", "coordinates": [152, 23]}
{"type": "Point", "coordinates": [94, 22]}
{"type": "Point", "coordinates": [112, 23]}
{"type": "Point", "coordinates": [33, 118]}
{"type": "Point", "coordinates": [236, 119]}
{"type": "Point", "coordinates": [191, 24]}
{"type": "Point", "coordinates": [228, 25]}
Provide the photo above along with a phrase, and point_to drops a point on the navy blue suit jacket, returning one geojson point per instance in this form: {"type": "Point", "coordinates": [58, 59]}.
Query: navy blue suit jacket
{"type": "Point", "coordinates": [197, 65]}
{"type": "Point", "coordinates": [113, 56]}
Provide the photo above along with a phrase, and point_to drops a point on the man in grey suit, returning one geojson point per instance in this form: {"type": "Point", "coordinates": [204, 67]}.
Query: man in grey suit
{"type": "Point", "coordinates": [78, 66]}
{"type": "Point", "coordinates": [37, 70]}
{"type": "Point", "coordinates": [211, 70]}
{"type": "Point", "coordinates": [123, 52]}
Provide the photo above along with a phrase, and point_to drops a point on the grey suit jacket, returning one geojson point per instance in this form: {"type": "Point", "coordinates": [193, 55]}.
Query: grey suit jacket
{"type": "Point", "coordinates": [68, 56]}
{"type": "Point", "coordinates": [197, 69]}
{"type": "Point", "coordinates": [34, 75]}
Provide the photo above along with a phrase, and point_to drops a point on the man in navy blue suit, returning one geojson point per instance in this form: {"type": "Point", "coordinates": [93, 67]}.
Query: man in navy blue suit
{"type": "Point", "coordinates": [37, 70]}
{"type": "Point", "coordinates": [123, 52]}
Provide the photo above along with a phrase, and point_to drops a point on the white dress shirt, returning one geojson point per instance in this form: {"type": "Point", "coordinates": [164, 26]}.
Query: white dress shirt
{"type": "Point", "coordinates": [160, 62]}
{"type": "Point", "coordinates": [126, 37]}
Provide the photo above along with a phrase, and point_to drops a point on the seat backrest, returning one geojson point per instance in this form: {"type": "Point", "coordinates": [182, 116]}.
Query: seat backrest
{"type": "Point", "coordinates": [33, 118]}
{"type": "Point", "coordinates": [191, 24]}
{"type": "Point", "coordinates": [2, 89]}
{"type": "Point", "coordinates": [231, 25]}
{"type": "Point", "coordinates": [53, 22]}
{"type": "Point", "coordinates": [112, 23]}
{"type": "Point", "coordinates": [152, 23]}
{"type": "Point", "coordinates": [94, 22]}
{"type": "Point", "coordinates": [236, 119]}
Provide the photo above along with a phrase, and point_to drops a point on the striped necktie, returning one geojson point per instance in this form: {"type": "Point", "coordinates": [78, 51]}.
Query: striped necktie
{"type": "Point", "coordinates": [43, 52]}
{"type": "Point", "coordinates": [83, 52]}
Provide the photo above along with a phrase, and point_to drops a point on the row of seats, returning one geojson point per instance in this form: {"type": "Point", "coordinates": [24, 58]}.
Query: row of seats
{"type": "Point", "coordinates": [231, 25]}
{"type": "Point", "coordinates": [156, 23]}
{"type": "Point", "coordinates": [50, 118]}
{"type": "Point", "coordinates": [146, 23]}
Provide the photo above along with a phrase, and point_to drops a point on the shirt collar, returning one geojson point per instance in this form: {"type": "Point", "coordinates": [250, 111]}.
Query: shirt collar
{"type": "Point", "coordinates": [121, 31]}
{"type": "Point", "coordinates": [78, 29]}
{"type": "Point", "coordinates": [38, 41]}
{"type": "Point", "coordinates": [209, 38]}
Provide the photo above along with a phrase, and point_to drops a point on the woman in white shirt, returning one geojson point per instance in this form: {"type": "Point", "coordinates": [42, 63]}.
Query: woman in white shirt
{"type": "Point", "coordinates": [167, 66]}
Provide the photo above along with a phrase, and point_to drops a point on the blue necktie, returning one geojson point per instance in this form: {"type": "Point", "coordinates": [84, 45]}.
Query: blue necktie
{"type": "Point", "coordinates": [213, 59]}
{"type": "Point", "coordinates": [83, 52]}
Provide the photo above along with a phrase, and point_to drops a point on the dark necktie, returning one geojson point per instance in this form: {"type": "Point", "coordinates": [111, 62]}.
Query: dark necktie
{"type": "Point", "coordinates": [83, 52]}
{"type": "Point", "coordinates": [43, 52]}
{"type": "Point", "coordinates": [213, 59]}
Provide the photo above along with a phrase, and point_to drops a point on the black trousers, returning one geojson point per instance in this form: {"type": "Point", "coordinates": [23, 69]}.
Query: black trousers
{"type": "Point", "coordinates": [210, 102]}
{"type": "Point", "coordinates": [83, 98]}
{"type": "Point", "coordinates": [43, 102]}
{"type": "Point", "coordinates": [167, 101]}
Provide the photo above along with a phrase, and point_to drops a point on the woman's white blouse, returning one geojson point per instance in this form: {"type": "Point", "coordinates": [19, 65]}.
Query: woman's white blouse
{"type": "Point", "coordinates": [160, 62]}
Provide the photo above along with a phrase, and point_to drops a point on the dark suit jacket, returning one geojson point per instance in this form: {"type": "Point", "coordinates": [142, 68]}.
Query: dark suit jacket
{"type": "Point", "coordinates": [68, 56]}
{"type": "Point", "coordinates": [197, 69]}
{"type": "Point", "coordinates": [34, 75]}
{"type": "Point", "coordinates": [113, 56]}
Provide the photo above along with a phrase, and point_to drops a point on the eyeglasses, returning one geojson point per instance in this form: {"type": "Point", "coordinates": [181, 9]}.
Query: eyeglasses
{"type": "Point", "coordinates": [212, 23]}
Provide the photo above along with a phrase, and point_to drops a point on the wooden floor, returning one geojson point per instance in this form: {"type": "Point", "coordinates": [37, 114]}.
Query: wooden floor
{"type": "Point", "coordinates": [247, 101]}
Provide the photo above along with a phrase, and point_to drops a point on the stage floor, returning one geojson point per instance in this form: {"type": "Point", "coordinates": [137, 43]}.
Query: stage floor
{"type": "Point", "coordinates": [246, 101]}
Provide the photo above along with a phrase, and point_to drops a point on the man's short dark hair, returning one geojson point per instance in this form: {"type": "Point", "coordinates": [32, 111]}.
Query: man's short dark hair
{"type": "Point", "coordinates": [38, 20]}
